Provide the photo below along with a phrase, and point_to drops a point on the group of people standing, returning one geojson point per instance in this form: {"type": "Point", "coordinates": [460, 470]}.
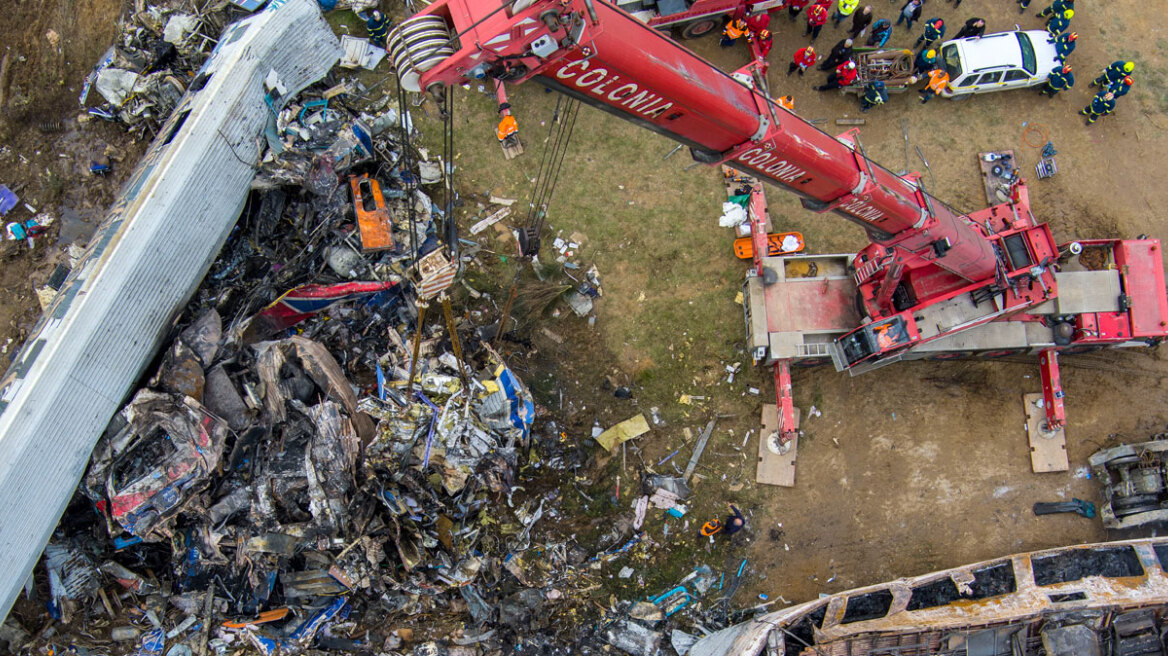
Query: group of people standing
{"type": "Point", "coordinates": [1115, 82]}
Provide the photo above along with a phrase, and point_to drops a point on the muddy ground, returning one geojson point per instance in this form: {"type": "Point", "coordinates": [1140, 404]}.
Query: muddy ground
{"type": "Point", "coordinates": [911, 468]}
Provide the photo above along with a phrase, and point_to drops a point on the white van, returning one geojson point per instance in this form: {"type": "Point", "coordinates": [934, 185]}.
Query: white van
{"type": "Point", "coordinates": [996, 62]}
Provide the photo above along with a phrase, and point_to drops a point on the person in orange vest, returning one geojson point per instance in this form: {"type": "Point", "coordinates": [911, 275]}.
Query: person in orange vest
{"type": "Point", "coordinates": [734, 30]}
{"type": "Point", "coordinates": [508, 127]}
{"type": "Point", "coordinates": [787, 103]}
{"type": "Point", "coordinates": [938, 80]}
{"type": "Point", "coordinates": [816, 19]}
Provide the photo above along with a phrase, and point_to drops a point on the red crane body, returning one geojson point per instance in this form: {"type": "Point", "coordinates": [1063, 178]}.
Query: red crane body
{"type": "Point", "coordinates": [923, 254]}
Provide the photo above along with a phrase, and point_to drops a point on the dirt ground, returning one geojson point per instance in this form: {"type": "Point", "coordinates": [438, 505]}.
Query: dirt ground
{"type": "Point", "coordinates": [911, 468]}
{"type": "Point", "coordinates": [45, 152]}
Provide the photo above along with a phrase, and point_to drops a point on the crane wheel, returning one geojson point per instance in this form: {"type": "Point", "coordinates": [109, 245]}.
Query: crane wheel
{"type": "Point", "coordinates": [698, 28]}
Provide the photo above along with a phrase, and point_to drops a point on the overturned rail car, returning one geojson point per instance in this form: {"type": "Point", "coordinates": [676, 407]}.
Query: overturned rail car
{"type": "Point", "coordinates": [142, 265]}
{"type": "Point", "coordinates": [1085, 600]}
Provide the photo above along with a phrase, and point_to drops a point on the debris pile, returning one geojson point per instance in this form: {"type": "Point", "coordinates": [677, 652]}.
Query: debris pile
{"type": "Point", "coordinates": [143, 76]}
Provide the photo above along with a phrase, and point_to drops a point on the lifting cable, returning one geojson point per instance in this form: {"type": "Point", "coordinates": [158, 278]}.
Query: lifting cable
{"type": "Point", "coordinates": [450, 230]}
{"type": "Point", "coordinates": [555, 149]}
{"type": "Point", "coordinates": [407, 164]}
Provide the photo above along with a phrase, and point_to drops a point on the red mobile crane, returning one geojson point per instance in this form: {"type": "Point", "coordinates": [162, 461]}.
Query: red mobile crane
{"type": "Point", "coordinates": [933, 282]}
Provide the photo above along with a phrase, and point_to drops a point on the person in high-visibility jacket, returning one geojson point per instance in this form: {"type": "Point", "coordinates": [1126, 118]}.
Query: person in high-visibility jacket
{"type": "Point", "coordinates": [926, 61]}
{"type": "Point", "coordinates": [934, 31]}
{"type": "Point", "coordinates": [804, 59]}
{"type": "Point", "coordinates": [765, 41]}
{"type": "Point", "coordinates": [787, 103]}
{"type": "Point", "coordinates": [1101, 105]}
{"type": "Point", "coordinates": [1057, 7]}
{"type": "Point", "coordinates": [1064, 45]}
{"type": "Point", "coordinates": [733, 31]}
{"type": "Point", "coordinates": [843, 76]}
{"type": "Point", "coordinates": [843, 10]}
{"type": "Point", "coordinates": [875, 93]}
{"type": "Point", "coordinates": [816, 19]}
{"type": "Point", "coordinates": [377, 26]}
{"type": "Point", "coordinates": [1118, 70]}
{"type": "Point", "coordinates": [938, 80]}
{"type": "Point", "coordinates": [1060, 22]}
{"type": "Point", "coordinates": [1060, 79]}
{"type": "Point", "coordinates": [1120, 89]}
{"type": "Point", "coordinates": [507, 127]}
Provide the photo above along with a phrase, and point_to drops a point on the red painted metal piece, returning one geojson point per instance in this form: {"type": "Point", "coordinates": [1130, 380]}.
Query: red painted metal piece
{"type": "Point", "coordinates": [788, 427]}
{"type": "Point", "coordinates": [662, 86]}
{"type": "Point", "coordinates": [1052, 390]}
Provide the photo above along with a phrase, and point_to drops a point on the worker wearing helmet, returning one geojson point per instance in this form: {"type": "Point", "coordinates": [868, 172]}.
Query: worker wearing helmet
{"type": "Point", "coordinates": [938, 80]}
{"type": "Point", "coordinates": [1060, 79]}
{"type": "Point", "coordinates": [934, 31]}
{"type": "Point", "coordinates": [1064, 45]}
{"type": "Point", "coordinates": [377, 27]}
{"type": "Point", "coordinates": [1118, 70]}
{"type": "Point", "coordinates": [1060, 22]}
{"type": "Point", "coordinates": [1101, 105]}
{"type": "Point", "coordinates": [1120, 89]}
{"type": "Point", "coordinates": [844, 10]}
{"type": "Point", "coordinates": [733, 31]}
{"type": "Point", "coordinates": [844, 75]}
{"type": "Point", "coordinates": [764, 40]}
{"type": "Point", "coordinates": [875, 93]}
{"type": "Point", "coordinates": [926, 61]}
{"type": "Point", "coordinates": [1057, 7]}
{"type": "Point", "coordinates": [507, 127]}
{"type": "Point", "coordinates": [804, 59]}
{"type": "Point", "coordinates": [816, 19]}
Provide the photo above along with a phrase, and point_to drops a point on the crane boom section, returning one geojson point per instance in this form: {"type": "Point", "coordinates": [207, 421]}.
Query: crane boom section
{"type": "Point", "coordinates": [601, 55]}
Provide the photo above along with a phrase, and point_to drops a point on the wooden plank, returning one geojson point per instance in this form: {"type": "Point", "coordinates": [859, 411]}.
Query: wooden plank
{"type": "Point", "coordinates": [1048, 451]}
{"type": "Point", "coordinates": [512, 148]}
{"type": "Point", "coordinates": [775, 468]}
{"type": "Point", "coordinates": [988, 179]}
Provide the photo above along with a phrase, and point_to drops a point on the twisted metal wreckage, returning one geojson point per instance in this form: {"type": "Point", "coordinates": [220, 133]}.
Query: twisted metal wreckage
{"type": "Point", "coordinates": [280, 471]}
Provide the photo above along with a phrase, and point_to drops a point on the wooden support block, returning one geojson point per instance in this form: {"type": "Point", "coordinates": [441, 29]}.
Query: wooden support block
{"type": "Point", "coordinates": [1048, 450]}
{"type": "Point", "coordinates": [775, 468]}
{"type": "Point", "coordinates": [512, 148]}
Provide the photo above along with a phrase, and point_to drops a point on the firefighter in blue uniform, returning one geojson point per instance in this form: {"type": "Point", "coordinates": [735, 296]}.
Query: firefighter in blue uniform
{"type": "Point", "coordinates": [1101, 105]}
{"type": "Point", "coordinates": [1064, 45]}
{"type": "Point", "coordinates": [377, 26]}
{"type": "Point", "coordinates": [1118, 70]}
{"type": "Point", "coordinates": [874, 94]}
{"type": "Point", "coordinates": [1060, 79]}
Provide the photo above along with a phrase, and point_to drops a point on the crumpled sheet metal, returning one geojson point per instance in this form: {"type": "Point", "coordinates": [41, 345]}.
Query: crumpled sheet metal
{"type": "Point", "coordinates": [319, 364]}
{"type": "Point", "coordinates": [329, 462]}
{"type": "Point", "coordinates": [183, 443]}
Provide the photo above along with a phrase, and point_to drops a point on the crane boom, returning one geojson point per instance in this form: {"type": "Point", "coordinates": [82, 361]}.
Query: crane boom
{"type": "Point", "coordinates": [599, 54]}
{"type": "Point", "coordinates": [933, 282]}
